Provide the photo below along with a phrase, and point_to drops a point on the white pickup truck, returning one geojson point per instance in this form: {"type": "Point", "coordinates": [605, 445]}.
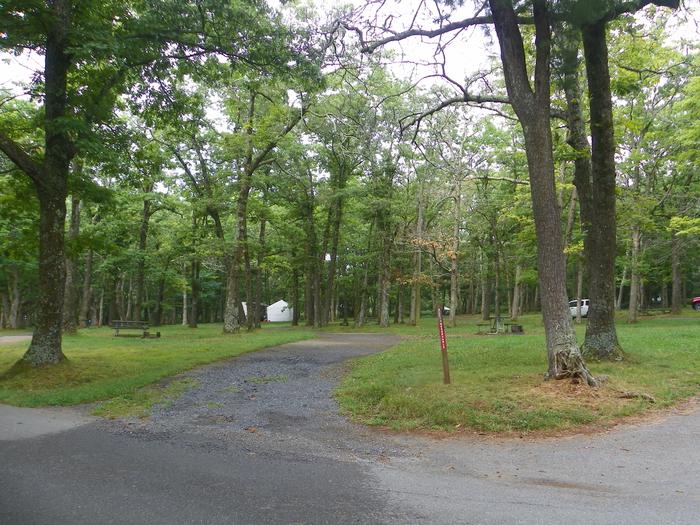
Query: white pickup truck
{"type": "Point", "coordinates": [584, 307]}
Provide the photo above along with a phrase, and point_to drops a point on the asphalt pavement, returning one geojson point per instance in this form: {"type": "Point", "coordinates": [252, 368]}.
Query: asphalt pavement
{"type": "Point", "coordinates": [259, 440]}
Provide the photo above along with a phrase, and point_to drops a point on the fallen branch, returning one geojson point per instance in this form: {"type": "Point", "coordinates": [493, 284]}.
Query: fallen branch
{"type": "Point", "coordinates": [637, 395]}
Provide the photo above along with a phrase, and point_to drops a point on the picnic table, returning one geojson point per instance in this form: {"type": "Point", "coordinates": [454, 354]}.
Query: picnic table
{"type": "Point", "coordinates": [132, 325]}
{"type": "Point", "coordinates": [499, 326]}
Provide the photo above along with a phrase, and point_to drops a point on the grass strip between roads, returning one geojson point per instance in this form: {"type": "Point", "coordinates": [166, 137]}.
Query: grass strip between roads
{"type": "Point", "coordinates": [497, 381]}
{"type": "Point", "coordinates": [101, 366]}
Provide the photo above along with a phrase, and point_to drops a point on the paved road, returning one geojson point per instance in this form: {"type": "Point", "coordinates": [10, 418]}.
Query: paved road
{"type": "Point", "coordinates": [259, 440]}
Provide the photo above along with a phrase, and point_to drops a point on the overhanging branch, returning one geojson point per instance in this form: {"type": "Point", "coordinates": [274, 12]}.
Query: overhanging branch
{"type": "Point", "coordinates": [21, 159]}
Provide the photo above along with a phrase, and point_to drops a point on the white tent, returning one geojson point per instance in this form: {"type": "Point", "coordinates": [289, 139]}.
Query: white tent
{"type": "Point", "coordinates": [279, 312]}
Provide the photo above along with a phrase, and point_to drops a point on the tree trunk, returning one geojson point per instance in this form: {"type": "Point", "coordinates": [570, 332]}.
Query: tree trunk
{"type": "Point", "coordinates": [579, 291]}
{"type": "Point", "coordinates": [129, 297]}
{"type": "Point", "coordinates": [194, 297]}
{"type": "Point", "coordinates": [533, 111]}
{"type": "Point", "coordinates": [634, 276]}
{"type": "Point", "coordinates": [515, 307]}
{"type": "Point", "coordinates": [70, 298]}
{"type": "Point", "coordinates": [676, 299]}
{"type": "Point", "coordinates": [184, 306]}
{"type": "Point", "coordinates": [295, 297]}
{"type": "Point", "coordinates": [485, 297]}
{"type": "Point", "coordinates": [598, 214]}
{"type": "Point", "coordinates": [141, 260]}
{"type": "Point", "coordinates": [233, 315]}
{"type": "Point", "coordinates": [618, 304]}
{"type": "Point", "coordinates": [50, 181]}
{"type": "Point", "coordinates": [414, 315]}
{"type": "Point", "coordinates": [5, 305]}
{"type": "Point", "coordinates": [259, 272]}
{"type": "Point", "coordinates": [158, 315]}
{"type": "Point", "coordinates": [86, 299]}
{"type": "Point", "coordinates": [15, 297]}
{"type": "Point", "coordinates": [454, 263]}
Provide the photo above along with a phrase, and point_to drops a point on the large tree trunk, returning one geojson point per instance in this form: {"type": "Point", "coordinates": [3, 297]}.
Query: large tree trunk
{"type": "Point", "coordinates": [233, 315]}
{"type": "Point", "coordinates": [50, 180]}
{"type": "Point", "coordinates": [45, 347]}
{"type": "Point", "coordinates": [676, 299]}
{"type": "Point", "coordinates": [533, 111]}
{"type": "Point", "coordinates": [599, 217]}
{"type": "Point", "coordinates": [70, 299]}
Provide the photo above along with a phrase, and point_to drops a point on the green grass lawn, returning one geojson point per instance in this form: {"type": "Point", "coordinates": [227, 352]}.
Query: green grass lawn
{"type": "Point", "coordinates": [101, 366]}
{"type": "Point", "coordinates": [497, 381]}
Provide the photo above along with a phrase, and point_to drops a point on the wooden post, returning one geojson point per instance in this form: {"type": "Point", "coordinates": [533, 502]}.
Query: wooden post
{"type": "Point", "coordinates": [443, 346]}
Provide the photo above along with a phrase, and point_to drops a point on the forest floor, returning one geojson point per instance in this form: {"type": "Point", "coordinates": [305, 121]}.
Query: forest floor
{"type": "Point", "coordinates": [258, 439]}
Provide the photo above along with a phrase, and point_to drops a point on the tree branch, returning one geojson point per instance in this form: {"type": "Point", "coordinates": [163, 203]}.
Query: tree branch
{"type": "Point", "coordinates": [22, 159]}
{"type": "Point", "coordinates": [370, 47]}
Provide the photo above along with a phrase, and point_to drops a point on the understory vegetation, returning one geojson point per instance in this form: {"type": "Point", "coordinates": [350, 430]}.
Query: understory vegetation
{"type": "Point", "coordinates": [497, 381]}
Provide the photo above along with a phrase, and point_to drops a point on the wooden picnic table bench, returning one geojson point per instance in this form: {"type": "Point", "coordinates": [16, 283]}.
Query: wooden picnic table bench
{"type": "Point", "coordinates": [131, 325]}
{"type": "Point", "coordinates": [498, 326]}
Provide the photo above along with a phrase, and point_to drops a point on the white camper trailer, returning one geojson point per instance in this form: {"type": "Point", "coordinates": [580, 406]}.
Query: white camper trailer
{"type": "Point", "coordinates": [279, 312]}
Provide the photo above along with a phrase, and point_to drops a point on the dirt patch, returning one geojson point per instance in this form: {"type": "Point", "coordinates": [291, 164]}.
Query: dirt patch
{"type": "Point", "coordinates": [566, 393]}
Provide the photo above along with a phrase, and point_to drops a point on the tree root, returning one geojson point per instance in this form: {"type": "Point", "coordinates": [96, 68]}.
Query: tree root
{"type": "Point", "coordinates": [569, 364]}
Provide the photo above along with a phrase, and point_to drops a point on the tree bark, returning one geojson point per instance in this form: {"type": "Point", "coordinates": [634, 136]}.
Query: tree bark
{"type": "Point", "coordinates": [515, 306]}
{"type": "Point", "coordinates": [86, 299]}
{"type": "Point", "coordinates": [295, 297]}
{"type": "Point", "coordinates": [600, 242]}
{"type": "Point", "coordinates": [454, 262]}
{"type": "Point", "coordinates": [335, 218]}
{"type": "Point", "coordinates": [618, 304]}
{"type": "Point", "coordinates": [50, 180]}
{"type": "Point", "coordinates": [70, 299]}
{"type": "Point", "coordinates": [414, 315]}
{"type": "Point", "coordinates": [15, 297]}
{"type": "Point", "coordinates": [533, 111]}
{"type": "Point", "coordinates": [634, 275]}
{"type": "Point", "coordinates": [141, 259]}
{"type": "Point", "coordinates": [194, 296]}
{"type": "Point", "coordinates": [259, 272]}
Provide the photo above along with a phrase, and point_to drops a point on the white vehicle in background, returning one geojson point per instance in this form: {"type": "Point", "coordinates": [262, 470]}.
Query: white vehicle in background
{"type": "Point", "coordinates": [584, 307]}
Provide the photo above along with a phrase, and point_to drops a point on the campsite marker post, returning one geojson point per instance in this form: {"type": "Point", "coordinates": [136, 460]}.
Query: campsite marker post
{"type": "Point", "coordinates": [443, 347]}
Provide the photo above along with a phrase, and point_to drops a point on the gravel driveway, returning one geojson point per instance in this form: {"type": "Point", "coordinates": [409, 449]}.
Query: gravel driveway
{"type": "Point", "coordinates": [273, 400]}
